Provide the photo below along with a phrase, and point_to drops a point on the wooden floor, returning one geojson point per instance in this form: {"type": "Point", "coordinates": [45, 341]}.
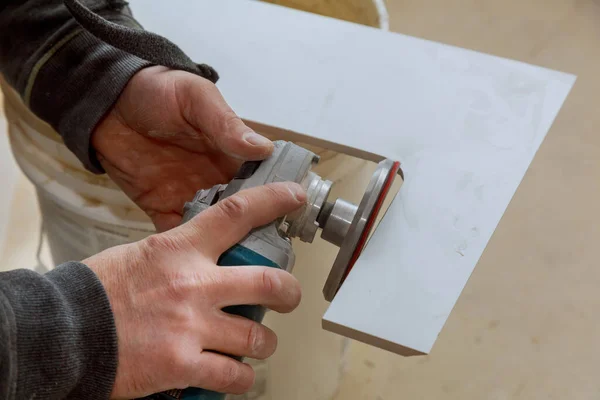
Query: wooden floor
{"type": "Point", "coordinates": [526, 326]}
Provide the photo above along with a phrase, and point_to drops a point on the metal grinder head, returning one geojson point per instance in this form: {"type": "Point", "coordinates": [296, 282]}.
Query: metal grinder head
{"type": "Point", "coordinates": [342, 223]}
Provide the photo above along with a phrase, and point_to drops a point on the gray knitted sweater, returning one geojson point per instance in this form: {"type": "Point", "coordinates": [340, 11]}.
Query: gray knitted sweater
{"type": "Point", "coordinates": [69, 61]}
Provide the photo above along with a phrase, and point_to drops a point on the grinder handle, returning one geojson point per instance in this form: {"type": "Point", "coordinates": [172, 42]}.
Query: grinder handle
{"type": "Point", "coordinates": [237, 255]}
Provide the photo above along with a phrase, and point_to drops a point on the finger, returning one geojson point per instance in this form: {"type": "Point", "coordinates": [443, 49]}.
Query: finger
{"type": "Point", "coordinates": [227, 222]}
{"type": "Point", "coordinates": [206, 110]}
{"type": "Point", "coordinates": [270, 287]}
{"type": "Point", "coordinates": [165, 221]}
{"type": "Point", "coordinates": [223, 374]}
{"type": "Point", "coordinates": [240, 336]}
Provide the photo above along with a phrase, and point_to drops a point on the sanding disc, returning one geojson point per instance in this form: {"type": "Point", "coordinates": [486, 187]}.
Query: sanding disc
{"type": "Point", "coordinates": [362, 224]}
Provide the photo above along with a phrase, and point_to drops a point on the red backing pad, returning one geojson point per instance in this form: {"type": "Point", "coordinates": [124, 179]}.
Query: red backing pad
{"type": "Point", "coordinates": [369, 225]}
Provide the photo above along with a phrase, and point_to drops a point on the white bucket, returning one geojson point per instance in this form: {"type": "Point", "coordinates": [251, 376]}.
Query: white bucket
{"type": "Point", "coordinates": [365, 12]}
{"type": "Point", "coordinates": [82, 213]}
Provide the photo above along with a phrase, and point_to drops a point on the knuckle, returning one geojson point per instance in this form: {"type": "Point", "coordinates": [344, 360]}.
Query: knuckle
{"type": "Point", "coordinates": [294, 292]}
{"type": "Point", "coordinates": [194, 234]}
{"type": "Point", "coordinates": [227, 376]}
{"type": "Point", "coordinates": [246, 381]}
{"type": "Point", "coordinates": [296, 296]}
{"type": "Point", "coordinates": [159, 243]}
{"type": "Point", "coordinates": [213, 285]}
{"type": "Point", "coordinates": [275, 192]}
{"type": "Point", "coordinates": [268, 283]}
{"type": "Point", "coordinates": [194, 85]}
{"type": "Point", "coordinates": [267, 344]}
{"type": "Point", "coordinates": [285, 291]}
{"type": "Point", "coordinates": [204, 86]}
{"type": "Point", "coordinates": [193, 291]}
{"type": "Point", "coordinates": [184, 98]}
{"type": "Point", "coordinates": [190, 91]}
{"type": "Point", "coordinates": [153, 241]}
{"type": "Point", "coordinates": [178, 358]}
{"type": "Point", "coordinates": [234, 207]}
{"type": "Point", "coordinates": [182, 358]}
{"type": "Point", "coordinates": [255, 339]}
{"type": "Point", "coordinates": [181, 293]}
{"type": "Point", "coordinates": [228, 120]}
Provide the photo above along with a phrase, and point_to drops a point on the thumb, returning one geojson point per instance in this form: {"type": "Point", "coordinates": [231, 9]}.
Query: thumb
{"type": "Point", "coordinates": [228, 221]}
{"type": "Point", "coordinates": [203, 106]}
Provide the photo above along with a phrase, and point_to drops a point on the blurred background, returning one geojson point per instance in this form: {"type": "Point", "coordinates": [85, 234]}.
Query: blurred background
{"type": "Point", "coordinates": [525, 326]}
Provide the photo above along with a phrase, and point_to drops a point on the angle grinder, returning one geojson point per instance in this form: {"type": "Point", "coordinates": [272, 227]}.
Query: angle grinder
{"type": "Point", "coordinates": [342, 223]}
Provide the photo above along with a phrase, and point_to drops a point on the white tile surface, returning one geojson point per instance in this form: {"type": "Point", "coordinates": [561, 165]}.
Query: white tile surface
{"type": "Point", "coordinates": [465, 126]}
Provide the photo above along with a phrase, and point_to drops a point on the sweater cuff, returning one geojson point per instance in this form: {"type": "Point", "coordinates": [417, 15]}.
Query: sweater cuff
{"type": "Point", "coordinates": [93, 326]}
{"type": "Point", "coordinates": [66, 339]}
{"type": "Point", "coordinates": [77, 86]}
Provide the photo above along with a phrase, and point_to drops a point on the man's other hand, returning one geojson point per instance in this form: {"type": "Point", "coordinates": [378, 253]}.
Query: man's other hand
{"type": "Point", "coordinates": [167, 294]}
{"type": "Point", "coordinates": [170, 134]}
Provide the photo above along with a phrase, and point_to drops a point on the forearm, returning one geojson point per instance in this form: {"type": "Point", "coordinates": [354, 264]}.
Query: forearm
{"type": "Point", "coordinates": [65, 75]}
{"type": "Point", "coordinates": [57, 335]}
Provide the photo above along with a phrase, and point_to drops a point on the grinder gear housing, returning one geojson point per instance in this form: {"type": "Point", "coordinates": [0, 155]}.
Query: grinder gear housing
{"type": "Point", "coordinates": [341, 222]}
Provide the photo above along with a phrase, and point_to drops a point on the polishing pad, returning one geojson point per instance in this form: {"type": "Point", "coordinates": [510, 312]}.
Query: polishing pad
{"type": "Point", "coordinates": [361, 226]}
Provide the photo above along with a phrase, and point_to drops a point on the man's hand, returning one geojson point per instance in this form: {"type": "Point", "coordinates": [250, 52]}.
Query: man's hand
{"type": "Point", "coordinates": [170, 134]}
{"type": "Point", "coordinates": [167, 295]}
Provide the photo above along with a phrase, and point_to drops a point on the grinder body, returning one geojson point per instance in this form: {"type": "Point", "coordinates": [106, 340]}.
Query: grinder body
{"type": "Point", "coordinates": [342, 223]}
{"type": "Point", "coordinates": [264, 246]}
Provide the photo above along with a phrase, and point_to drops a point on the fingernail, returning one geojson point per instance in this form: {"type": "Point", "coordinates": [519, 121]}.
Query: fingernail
{"type": "Point", "coordinates": [256, 140]}
{"type": "Point", "coordinates": [297, 191]}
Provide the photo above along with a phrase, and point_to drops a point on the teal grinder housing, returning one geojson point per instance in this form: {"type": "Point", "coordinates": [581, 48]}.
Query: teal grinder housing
{"type": "Point", "coordinates": [342, 223]}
